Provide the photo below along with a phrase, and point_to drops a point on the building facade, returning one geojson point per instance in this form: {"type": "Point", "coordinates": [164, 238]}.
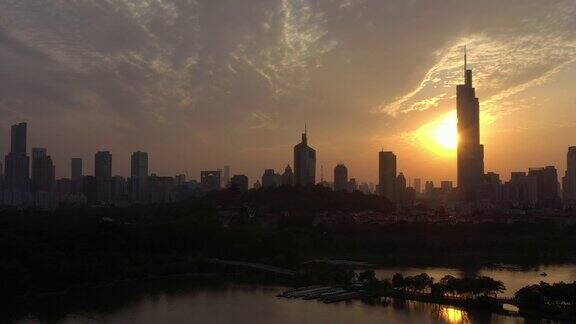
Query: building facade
{"type": "Point", "coordinates": [139, 177]}
{"type": "Point", "coordinates": [103, 175]}
{"type": "Point", "coordinates": [470, 158]}
{"type": "Point", "coordinates": [387, 174]}
{"type": "Point", "coordinates": [340, 178]}
{"type": "Point", "coordinates": [304, 163]}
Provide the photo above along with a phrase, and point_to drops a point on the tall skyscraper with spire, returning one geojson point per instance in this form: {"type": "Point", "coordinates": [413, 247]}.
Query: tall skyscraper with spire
{"type": "Point", "coordinates": [304, 163]}
{"type": "Point", "coordinates": [470, 151]}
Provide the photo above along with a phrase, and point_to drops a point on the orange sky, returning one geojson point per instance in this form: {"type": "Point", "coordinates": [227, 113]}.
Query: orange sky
{"type": "Point", "coordinates": [203, 84]}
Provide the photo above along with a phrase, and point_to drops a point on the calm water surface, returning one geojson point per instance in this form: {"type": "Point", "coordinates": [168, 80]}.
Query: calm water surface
{"type": "Point", "coordinates": [180, 301]}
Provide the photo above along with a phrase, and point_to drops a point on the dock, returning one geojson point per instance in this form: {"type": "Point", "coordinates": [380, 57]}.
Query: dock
{"type": "Point", "coordinates": [325, 294]}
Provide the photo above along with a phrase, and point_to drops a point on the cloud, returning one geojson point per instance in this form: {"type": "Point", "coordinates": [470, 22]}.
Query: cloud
{"type": "Point", "coordinates": [505, 63]}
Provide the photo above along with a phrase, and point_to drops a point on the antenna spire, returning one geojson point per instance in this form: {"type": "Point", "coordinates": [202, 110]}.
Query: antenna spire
{"type": "Point", "coordinates": [465, 60]}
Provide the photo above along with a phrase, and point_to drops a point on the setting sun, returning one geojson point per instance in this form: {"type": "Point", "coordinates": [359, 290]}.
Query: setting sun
{"type": "Point", "coordinates": [439, 136]}
{"type": "Point", "coordinates": [446, 133]}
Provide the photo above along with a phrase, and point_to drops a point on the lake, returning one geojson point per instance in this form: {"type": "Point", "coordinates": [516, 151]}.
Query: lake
{"type": "Point", "coordinates": [182, 300]}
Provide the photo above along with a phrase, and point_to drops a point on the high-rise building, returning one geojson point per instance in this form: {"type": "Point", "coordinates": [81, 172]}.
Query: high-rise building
{"type": "Point", "coordinates": [226, 178]}
{"type": "Point", "coordinates": [418, 186]}
{"type": "Point", "coordinates": [18, 138]}
{"type": "Point", "coordinates": [139, 176]}
{"type": "Point", "coordinates": [240, 182]}
{"type": "Point", "coordinates": [119, 188]}
{"type": "Point", "coordinates": [17, 162]}
{"type": "Point", "coordinates": [352, 185]}
{"type": "Point", "coordinates": [271, 179]}
{"type": "Point", "coordinates": [43, 171]}
{"type": "Point", "coordinates": [470, 152]}
{"type": "Point", "coordinates": [569, 183]}
{"type": "Point", "coordinates": [288, 176]}
{"type": "Point", "coordinates": [103, 175]}
{"type": "Point", "coordinates": [429, 190]}
{"type": "Point", "coordinates": [340, 177]}
{"type": "Point", "coordinates": [521, 190]}
{"type": "Point", "coordinates": [547, 185]}
{"type": "Point", "coordinates": [387, 174]}
{"type": "Point", "coordinates": [399, 188]}
{"type": "Point", "coordinates": [210, 180]}
{"type": "Point", "coordinates": [76, 174]}
{"type": "Point", "coordinates": [304, 163]}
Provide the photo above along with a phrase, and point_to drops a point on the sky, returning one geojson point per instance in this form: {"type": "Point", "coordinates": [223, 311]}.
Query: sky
{"type": "Point", "coordinates": [200, 84]}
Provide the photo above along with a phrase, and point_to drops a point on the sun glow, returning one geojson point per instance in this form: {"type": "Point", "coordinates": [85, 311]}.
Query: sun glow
{"type": "Point", "coordinates": [446, 133]}
{"type": "Point", "coordinates": [439, 136]}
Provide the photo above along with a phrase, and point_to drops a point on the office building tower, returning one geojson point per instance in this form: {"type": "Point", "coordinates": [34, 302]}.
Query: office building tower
{"type": "Point", "coordinates": [271, 179]}
{"type": "Point", "coordinates": [429, 190]}
{"type": "Point", "coordinates": [90, 188]}
{"type": "Point", "coordinates": [119, 188]}
{"type": "Point", "coordinates": [418, 186]}
{"type": "Point", "coordinates": [569, 185]}
{"type": "Point", "coordinates": [470, 152]}
{"type": "Point", "coordinates": [304, 163]}
{"type": "Point", "coordinates": [103, 175]}
{"type": "Point", "coordinates": [17, 162]}
{"type": "Point", "coordinates": [288, 176]}
{"type": "Point", "coordinates": [399, 188]}
{"type": "Point", "coordinates": [76, 174]}
{"type": "Point", "coordinates": [210, 180]}
{"type": "Point", "coordinates": [240, 182]}
{"type": "Point", "coordinates": [387, 174]}
{"type": "Point", "coordinates": [18, 138]}
{"type": "Point", "coordinates": [139, 177]}
{"type": "Point", "coordinates": [547, 185]}
{"type": "Point", "coordinates": [352, 185]}
{"type": "Point", "coordinates": [340, 177]}
{"type": "Point", "coordinates": [43, 171]}
{"type": "Point", "coordinates": [226, 176]}
{"type": "Point", "coordinates": [521, 190]}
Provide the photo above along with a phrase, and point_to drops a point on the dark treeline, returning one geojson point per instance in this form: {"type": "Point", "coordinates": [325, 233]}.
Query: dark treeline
{"type": "Point", "coordinates": [53, 250]}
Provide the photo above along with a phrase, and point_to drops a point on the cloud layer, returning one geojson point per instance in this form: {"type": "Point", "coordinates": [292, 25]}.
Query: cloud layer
{"type": "Point", "coordinates": [194, 81]}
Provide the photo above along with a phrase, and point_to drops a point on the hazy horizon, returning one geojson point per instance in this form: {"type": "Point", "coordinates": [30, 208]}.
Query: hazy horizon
{"type": "Point", "coordinates": [203, 84]}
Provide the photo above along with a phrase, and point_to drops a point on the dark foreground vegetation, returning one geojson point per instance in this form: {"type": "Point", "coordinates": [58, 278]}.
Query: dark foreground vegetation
{"type": "Point", "coordinates": [555, 301]}
{"type": "Point", "coordinates": [47, 251]}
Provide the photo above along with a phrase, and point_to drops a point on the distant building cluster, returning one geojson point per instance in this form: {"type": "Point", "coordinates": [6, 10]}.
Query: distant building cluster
{"type": "Point", "coordinates": [30, 181]}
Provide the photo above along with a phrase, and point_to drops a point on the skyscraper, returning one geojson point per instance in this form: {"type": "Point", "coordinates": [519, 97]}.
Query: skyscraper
{"type": "Point", "coordinates": [103, 175]}
{"type": "Point", "coordinates": [470, 151]}
{"type": "Point", "coordinates": [387, 174]}
{"type": "Point", "coordinates": [569, 187]}
{"type": "Point", "coordinates": [18, 138]}
{"type": "Point", "coordinates": [76, 174]}
{"type": "Point", "coordinates": [288, 176]}
{"type": "Point", "coordinates": [340, 177]}
{"type": "Point", "coordinates": [43, 171]}
{"type": "Point", "coordinates": [226, 178]}
{"type": "Point", "coordinates": [399, 188]}
{"type": "Point", "coordinates": [17, 163]}
{"type": "Point", "coordinates": [304, 163]}
{"type": "Point", "coordinates": [418, 185]}
{"type": "Point", "coordinates": [547, 185]}
{"type": "Point", "coordinates": [139, 176]}
{"type": "Point", "coordinates": [271, 179]}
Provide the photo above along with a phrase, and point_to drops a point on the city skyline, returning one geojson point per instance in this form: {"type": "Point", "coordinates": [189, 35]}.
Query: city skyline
{"type": "Point", "coordinates": [239, 97]}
